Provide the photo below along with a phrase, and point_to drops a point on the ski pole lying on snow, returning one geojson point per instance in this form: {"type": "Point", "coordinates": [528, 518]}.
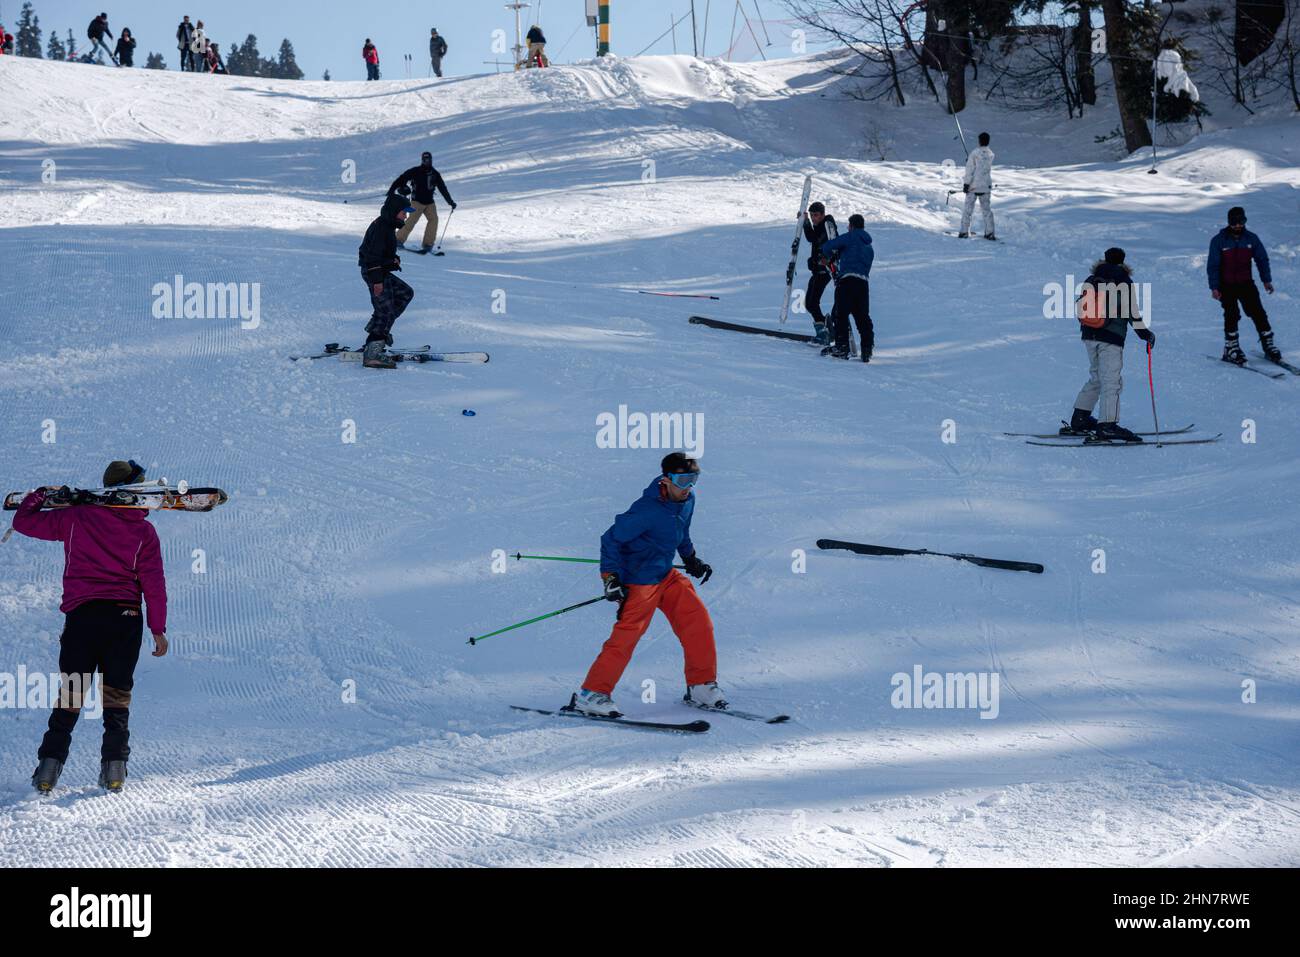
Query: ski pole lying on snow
{"type": "Point", "coordinates": [679, 295]}
{"type": "Point", "coordinates": [974, 559]}
{"type": "Point", "coordinates": [550, 614]}
{"type": "Point", "coordinates": [558, 558]}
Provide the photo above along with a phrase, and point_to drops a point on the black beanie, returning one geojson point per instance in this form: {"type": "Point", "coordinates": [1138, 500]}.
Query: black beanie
{"type": "Point", "coordinates": [1236, 215]}
{"type": "Point", "coordinates": [675, 463]}
{"type": "Point", "coordinates": [1115, 256]}
{"type": "Point", "coordinates": [122, 473]}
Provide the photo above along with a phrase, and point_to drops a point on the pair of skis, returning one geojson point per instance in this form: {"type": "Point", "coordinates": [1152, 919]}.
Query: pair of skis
{"type": "Point", "coordinates": [570, 710]}
{"type": "Point", "coordinates": [415, 354]}
{"type": "Point", "coordinates": [863, 549]}
{"type": "Point", "coordinates": [1070, 440]}
{"type": "Point", "coordinates": [152, 496]}
{"type": "Point", "coordinates": [1294, 370]}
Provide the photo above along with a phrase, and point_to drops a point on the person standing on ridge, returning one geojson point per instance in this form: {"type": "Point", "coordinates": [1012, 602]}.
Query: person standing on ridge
{"type": "Point", "coordinates": [389, 296]}
{"type": "Point", "coordinates": [817, 229]}
{"type": "Point", "coordinates": [978, 183]}
{"type": "Point", "coordinates": [417, 185]}
{"type": "Point", "coordinates": [125, 48]}
{"type": "Point", "coordinates": [636, 565]}
{"type": "Point", "coordinates": [198, 48]}
{"type": "Point", "coordinates": [852, 288]}
{"type": "Point", "coordinates": [111, 560]}
{"type": "Point", "coordinates": [370, 53]}
{"type": "Point", "coordinates": [1106, 309]}
{"type": "Point", "coordinates": [96, 32]}
{"type": "Point", "coordinates": [185, 34]}
{"type": "Point", "coordinates": [536, 47]}
{"type": "Point", "coordinates": [437, 50]}
{"type": "Point", "coordinates": [1232, 250]}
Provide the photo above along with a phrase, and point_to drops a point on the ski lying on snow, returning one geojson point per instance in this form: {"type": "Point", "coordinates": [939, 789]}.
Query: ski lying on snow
{"type": "Point", "coordinates": [756, 330]}
{"type": "Point", "coordinates": [1249, 368]}
{"type": "Point", "coordinates": [397, 356]}
{"type": "Point", "coordinates": [745, 715]}
{"type": "Point", "coordinates": [861, 549]}
{"type": "Point", "coordinates": [1066, 444]}
{"type": "Point", "coordinates": [691, 727]}
{"type": "Point", "coordinates": [1058, 435]}
{"type": "Point", "coordinates": [1294, 370]}
{"type": "Point", "coordinates": [334, 349]}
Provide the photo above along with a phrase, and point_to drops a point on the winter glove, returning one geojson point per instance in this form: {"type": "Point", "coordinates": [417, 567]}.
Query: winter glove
{"type": "Point", "coordinates": [615, 590]}
{"type": "Point", "coordinates": [397, 264]}
{"type": "Point", "coordinates": [965, 187]}
{"type": "Point", "coordinates": [1147, 336]}
{"type": "Point", "coordinates": [452, 205]}
{"type": "Point", "coordinates": [697, 569]}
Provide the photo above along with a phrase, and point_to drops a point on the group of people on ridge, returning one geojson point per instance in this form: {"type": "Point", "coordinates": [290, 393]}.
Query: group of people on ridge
{"type": "Point", "coordinates": [199, 52]}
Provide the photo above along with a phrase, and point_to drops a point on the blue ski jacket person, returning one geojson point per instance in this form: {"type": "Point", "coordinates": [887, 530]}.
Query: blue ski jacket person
{"type": "Point", "coordinates": [1230, 258]}
{"type": "Point", "coordinates": [639, 546]}
{"type": "Point", "coordinates": [856, 253]}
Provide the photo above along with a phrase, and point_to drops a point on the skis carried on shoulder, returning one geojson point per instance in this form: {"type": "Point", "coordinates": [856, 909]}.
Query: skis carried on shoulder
{"type": "Point", "coordinates": [168, 498]}
{"type": "Point", "coordinates": [570, 711]}
{"type": "Point", "coordinates": [794, 247]}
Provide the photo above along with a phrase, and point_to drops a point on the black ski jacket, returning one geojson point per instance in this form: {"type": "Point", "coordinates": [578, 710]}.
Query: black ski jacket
{"type": "Point", "coordinates": [816, 236]}
{"type": "Point", "coordinates": [377, 254]}
{"type": "Point", "coordinates": [423, 182]}
{"type": "Point", "coordinates": [437, 46]}
{"type": "Point", "coordinates": [98, 27]}
{"type": "Point", "coordinates": [535, 36]}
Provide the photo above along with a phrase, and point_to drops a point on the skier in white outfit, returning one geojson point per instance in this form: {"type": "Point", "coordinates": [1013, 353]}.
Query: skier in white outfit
{"type": "Point", "coordinates": [978, 182]}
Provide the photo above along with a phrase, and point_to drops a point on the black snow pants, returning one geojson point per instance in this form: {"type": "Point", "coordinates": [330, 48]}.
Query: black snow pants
{"type": "Point", "coordinates": [1239, 297]}
{"type": "Point", "coordinates": [853, 295]}
{"type": "Point", "coordinates": [388, 305]}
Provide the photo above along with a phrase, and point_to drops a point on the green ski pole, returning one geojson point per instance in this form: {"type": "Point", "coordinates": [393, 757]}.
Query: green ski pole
{"type": "Point", "coordinates": [559, 558]}
{"type": "Point", "coordinates": [550, 614]}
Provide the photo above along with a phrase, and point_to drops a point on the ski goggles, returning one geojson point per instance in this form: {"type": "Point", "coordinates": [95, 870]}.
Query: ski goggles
{"type": "Point", "coordinates": [683, 479]}
{"type": "Point", "coordinates": [137, 472]}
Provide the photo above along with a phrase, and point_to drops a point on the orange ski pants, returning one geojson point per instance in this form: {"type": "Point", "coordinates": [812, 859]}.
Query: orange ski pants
{"type": "Point", "coordinates": [675, 597]}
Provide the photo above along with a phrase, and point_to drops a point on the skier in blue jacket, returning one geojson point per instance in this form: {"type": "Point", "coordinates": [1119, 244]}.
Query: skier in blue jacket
{"type": "Point", "coordinates": [852, 288]}
{"type": "Point", "coordinates": [1227, 267]}
{"type": "Point", "coordinates": [636, 563]}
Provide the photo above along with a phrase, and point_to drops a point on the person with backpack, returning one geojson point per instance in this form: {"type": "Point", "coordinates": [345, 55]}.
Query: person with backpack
{"type": "Point", "coordinates": [636, 567]}
{"type": "Point", "coordinates": [978, 183]}
{"type": "Point", "coordinates": [1106, 308]}
{"type": "Point", "coordinates": [1232, 283]}
{"type": "Point", "coordinates": [416, 185]}
{"type": "Point", "coordinates": [817, 229]}
{"type": "Point", "coordinates": [852, 288]}
{"type": "Point", "coordinates": [437, 50]}
{"type": "Point", "coordinates": [111, 561]}
{"type": "Point", "coordinates": [96, 32]}
{"type": "Point", "coordinates": [212, 59]}
{"type": "Point", "coordinates": [389, 296]}
{"type": "Point", "coordinates": [125, 48]}
{"type": "Point", "coordinates": [6, 42]}
{"type": "Point", "coordinates": [536, 47]}
{"type": "Point", "coordinates": [184, 34]}
{"type": "Point", "coordinates": [370, 53]}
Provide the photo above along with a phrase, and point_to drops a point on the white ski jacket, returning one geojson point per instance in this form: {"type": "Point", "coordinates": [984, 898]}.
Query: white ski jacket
{"type": "Point", "coordinates": [979, 170]}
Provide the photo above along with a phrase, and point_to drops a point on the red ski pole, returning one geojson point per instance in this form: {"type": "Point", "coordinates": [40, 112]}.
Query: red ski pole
{"type": "Point", "coordinates": [1152, 380]}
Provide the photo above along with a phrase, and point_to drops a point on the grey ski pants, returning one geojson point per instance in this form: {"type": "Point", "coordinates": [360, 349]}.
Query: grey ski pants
{"type": "Point", "coordinates": [1105, 381]}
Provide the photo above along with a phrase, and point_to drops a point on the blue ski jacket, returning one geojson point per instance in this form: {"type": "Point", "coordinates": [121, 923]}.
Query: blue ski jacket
{"type": "Point", "coordinates": [1230, 258]}
{"type": "Point", "coordinates": [856, 253]}
{"type": "Point", "coordinates": [639, 546]}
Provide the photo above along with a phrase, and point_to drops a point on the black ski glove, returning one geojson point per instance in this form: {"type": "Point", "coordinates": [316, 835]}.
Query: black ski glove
{"type": "Point", "coordinates": [1147, 336]}
{"type": "Point", "coordinates": [697, 569]}
{"type": "Point", "coordinates": [965, 187]}
{"type": "Point", "coordinates": [452, 205]}
{"type": "Point", "coordinates": [615, 590]}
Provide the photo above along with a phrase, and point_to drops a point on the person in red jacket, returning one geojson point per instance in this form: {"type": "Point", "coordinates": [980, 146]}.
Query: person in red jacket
{"type": "Point", "coordinates": [370, 53]}
{"type": "Point", "coordinates": [6, 41]}
{"type": "Point", "coordinates": [112, 560]}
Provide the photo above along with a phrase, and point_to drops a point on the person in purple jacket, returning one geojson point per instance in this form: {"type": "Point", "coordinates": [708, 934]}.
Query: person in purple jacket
{"type": "Point", "coordinates": [111, 561]}
{"type": "Point", "coordinates": [1232, 250]}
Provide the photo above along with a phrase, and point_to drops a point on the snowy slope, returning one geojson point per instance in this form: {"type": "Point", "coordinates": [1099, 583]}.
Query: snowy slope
{"type": "Point", "coordinates": [1121, 736]}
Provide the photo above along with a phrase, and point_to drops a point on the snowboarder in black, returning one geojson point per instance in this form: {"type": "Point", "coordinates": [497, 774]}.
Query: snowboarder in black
{"type": "Point", "coordinates": [96, 32]}
{"type": "Point", "coordinates": [416, 185]}
{"type": "Point", "coordinates": [377, 257]}
{"type": "Point", "coordinates": [437, 50]}
{"type": "Point", "coordinates": [1232, 250]}
{"type": "Point", "coordinates": [817, 228]}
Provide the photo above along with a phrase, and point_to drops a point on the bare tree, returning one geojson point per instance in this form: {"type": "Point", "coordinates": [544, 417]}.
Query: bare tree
{"type": "Point", "coordinates": [872, 29]}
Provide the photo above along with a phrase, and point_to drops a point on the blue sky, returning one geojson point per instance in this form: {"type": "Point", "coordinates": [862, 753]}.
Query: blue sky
{"type": "Point", "coordinates": [329, 34]}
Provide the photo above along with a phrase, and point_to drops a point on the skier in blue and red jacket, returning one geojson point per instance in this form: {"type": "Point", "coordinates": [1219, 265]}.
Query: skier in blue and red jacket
{"type": "Point", "coordinates": [1232, 250]}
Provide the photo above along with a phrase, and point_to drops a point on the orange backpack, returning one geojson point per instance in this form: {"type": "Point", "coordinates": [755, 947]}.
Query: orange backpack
{"type": "Point", "coordinates": [1090, 307]}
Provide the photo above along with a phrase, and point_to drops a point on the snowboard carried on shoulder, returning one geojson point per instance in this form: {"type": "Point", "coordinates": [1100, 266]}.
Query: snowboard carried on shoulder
{"type": "Point", "coordinates": [409, 354]}
{"type": "Point", "coordinates": [147, 495]}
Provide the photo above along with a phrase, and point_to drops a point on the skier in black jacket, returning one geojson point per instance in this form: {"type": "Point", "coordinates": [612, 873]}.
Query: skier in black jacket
{"type": "Point", "coordinates": [417, 185]}
{"type": "Point", "coordinates": [96, 32]}
{"type": "Point", "coordinates": [184, 36]}
{"type": "Point", "coordinates": [536, 48]}
{"type": "Point", "coordinates": [437, 50]}
{"type": "Point", "coordinates": [817, 229]}
{"type": "Point", "coordinates": [125, 48]}
{"type": "Point", "coordinates": [389, 296]}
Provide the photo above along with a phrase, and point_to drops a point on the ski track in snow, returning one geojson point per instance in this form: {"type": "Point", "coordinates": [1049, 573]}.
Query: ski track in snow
{"type": "Point", "coordinates": [1121, 737]}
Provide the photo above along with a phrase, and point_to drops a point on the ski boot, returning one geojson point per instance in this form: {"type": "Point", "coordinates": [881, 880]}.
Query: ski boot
{"type": "Point", "coordinates": [707, 695]}
{"type": "Point", "coordinates": [46, 775]}
{"type": "Point", "coordinates": [1113, 432]}
{"type": "Point", "coordinates": [821, 335]}
{"type": "Point", "coordinates": [595, 702]}
{"type": "Point", "coordinates": [1081, 423]}
{"type": "Point", "coordinates": [112, 774]}
{"type": "Point", "coordinates": [990, 236]}
{"type": "Point", "coordinates": [425, 250]}
{"type": "Point", "coordinates": [866, 357]}
{"type": "Point", "coordinates": [836, 352]}
{"type": "Point", "coordinates": [963, 235]}
{"type": "Point", "coordinates": [1232, 351]}
{"type": "Point", "coordinates": [1271, 352]}
{"type": "Point", "coordinates": [375, 357]}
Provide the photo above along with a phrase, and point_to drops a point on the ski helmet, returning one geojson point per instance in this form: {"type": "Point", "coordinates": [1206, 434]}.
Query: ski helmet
{"type": "Point", "coordinates": [1237, 216]}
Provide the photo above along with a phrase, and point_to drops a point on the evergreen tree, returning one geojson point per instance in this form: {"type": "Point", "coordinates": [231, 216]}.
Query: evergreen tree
{"type": "Point", "coordinates": [155, 62]}
{"type": "Point", "coordinates": [287, 67]}
{"type": "Point", "coordinates": [55, 50]}
{"type": "Point", "coordinates": [245, 61]}
{"type": "Point", "coordinates": [27, 42]}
